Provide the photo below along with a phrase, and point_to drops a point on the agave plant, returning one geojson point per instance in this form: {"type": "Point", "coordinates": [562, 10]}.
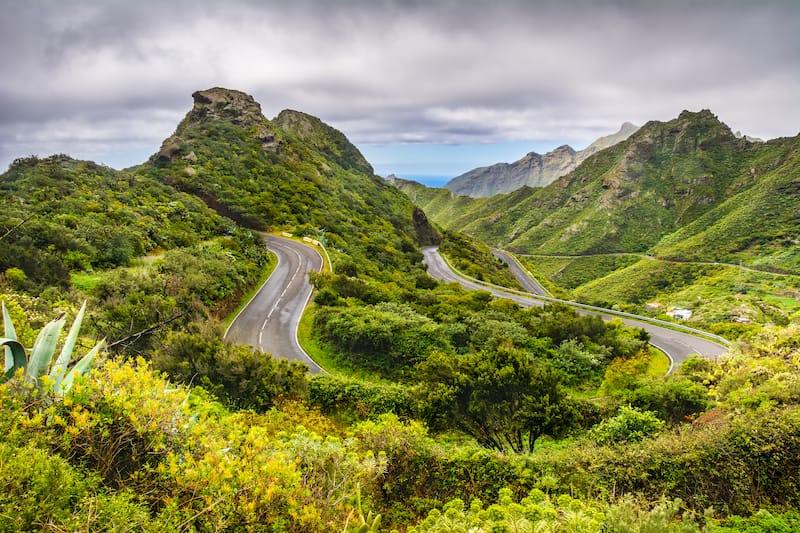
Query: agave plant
{"type": "Point", "coordinates": [40, 362]}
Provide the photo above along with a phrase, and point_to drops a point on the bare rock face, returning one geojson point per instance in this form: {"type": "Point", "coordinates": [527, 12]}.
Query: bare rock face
{"type": "Point", "coordinates": [533, 170]}
{"type": "Point", "coordinates": [226, 104]}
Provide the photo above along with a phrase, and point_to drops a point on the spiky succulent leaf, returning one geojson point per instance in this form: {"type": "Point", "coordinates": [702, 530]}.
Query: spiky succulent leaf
{"type": "Point", "coordinates": [8, 333]}
{"type": "Point", "coordinates": [44, 349]}
{"type": "Point", "coordinates": [79, 369]}
{"type": "Point", "coordinates": [18, 358]}
{"type": "Point", "coordinates": [59, 369]}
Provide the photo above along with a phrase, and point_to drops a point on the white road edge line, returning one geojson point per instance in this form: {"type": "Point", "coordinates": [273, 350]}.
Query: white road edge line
{"type": "Point", "coordinates": [253, 297]}
{"type": "Point", "coordinates": [669, 356]}
{"type": "Point", "coordinates": [305, 305]}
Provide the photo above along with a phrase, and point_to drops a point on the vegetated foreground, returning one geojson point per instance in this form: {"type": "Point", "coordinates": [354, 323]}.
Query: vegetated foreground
{"type": "Point", "coordinates": [437, 397]}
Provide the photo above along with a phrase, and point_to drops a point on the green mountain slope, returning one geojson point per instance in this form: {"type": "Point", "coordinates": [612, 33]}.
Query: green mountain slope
{"type": "Point", "coordinates": [687, 188]}
{"type": "Point", "coordinates": [67, 215]}
{"type": "Point", "coordinates": [760, 226]}
{"type": "Point", "coordinates": [290, 172]}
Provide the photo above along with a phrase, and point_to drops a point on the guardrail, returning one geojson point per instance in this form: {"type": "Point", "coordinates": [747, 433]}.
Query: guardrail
{"type": "Point", "coordinates": [315, 242]}
{"type": "Point", "coordinates": [640, 318]}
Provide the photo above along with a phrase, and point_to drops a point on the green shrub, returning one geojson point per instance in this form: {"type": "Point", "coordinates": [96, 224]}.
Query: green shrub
{"type": "Point", "coordinates": [38, 488]}
{"type": "Point", "coordinates": [629, 425]}
{"type": "Point", "coordinates": [341, 396]}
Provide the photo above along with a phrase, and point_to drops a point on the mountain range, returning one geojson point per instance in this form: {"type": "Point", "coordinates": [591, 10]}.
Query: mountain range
{"type": "Point", "coordinates": [683, 189]}
{"type": "Point", "coordinates": [533, 170]}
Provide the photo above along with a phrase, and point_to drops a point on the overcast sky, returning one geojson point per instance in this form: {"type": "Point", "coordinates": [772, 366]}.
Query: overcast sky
{"type": "Point", "coordinates": [422, 87]}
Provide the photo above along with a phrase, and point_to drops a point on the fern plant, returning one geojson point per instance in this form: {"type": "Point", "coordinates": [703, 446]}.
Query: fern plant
{"type": "Point", "coordinates": [41, 365]}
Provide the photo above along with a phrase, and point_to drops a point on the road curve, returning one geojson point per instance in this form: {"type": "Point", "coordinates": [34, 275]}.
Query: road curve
{"type": "Point", "coordinates": [677, 345]}
{"type": "Point", "coordinates": [269, 321]}
{"type": "Point", "coordinates": [529, 283]}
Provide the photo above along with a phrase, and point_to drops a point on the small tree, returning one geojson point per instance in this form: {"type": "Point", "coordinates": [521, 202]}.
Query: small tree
{"type": "Point", "coordinates": [503, 398]}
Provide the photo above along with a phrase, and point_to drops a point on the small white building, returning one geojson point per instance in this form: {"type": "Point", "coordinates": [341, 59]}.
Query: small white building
{"type": "Point", "coordinates": [680, 314]}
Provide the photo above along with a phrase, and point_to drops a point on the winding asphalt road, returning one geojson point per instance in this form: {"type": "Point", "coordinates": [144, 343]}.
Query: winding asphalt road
{"type": "Point", "coordinates": [529, 283]}
{"type": "Point", "coordinates": [677, 345]}
{"type": "Point", "coordinates": [269, 321]}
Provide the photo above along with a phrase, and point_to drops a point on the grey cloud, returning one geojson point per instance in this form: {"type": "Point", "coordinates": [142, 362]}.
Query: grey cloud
{"type": "Point", "coordinates": [400, 71]}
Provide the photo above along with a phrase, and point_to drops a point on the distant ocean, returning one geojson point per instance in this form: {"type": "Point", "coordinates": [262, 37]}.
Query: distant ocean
{"type": "Point", "coordinates": [428, 180]}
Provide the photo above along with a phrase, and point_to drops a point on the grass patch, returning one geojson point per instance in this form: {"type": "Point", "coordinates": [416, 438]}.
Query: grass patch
{"type": "Point", "coordinates": [85, 281]}
{"type": "Point", "coordinates": [310, 344]}
{"type": "Point", "coordinates": [659, 363]}
{"type": "Point", "coordinates": [784, 302]}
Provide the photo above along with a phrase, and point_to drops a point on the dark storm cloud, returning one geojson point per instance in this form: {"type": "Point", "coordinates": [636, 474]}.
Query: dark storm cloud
{"type": "Point", "coordinates": [91, 74]}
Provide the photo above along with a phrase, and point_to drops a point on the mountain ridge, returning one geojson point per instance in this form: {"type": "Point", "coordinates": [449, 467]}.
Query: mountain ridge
{"type": "Point", "coordinates": [533, 169]}
{"type": "Point", "coordinates": [690, 176]}
{"type": "Point", "coordinates": [294, 172]}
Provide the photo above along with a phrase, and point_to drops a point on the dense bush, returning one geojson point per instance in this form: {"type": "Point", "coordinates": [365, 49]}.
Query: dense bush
{"type": "Point", "coordinates": [75, 215]}
{"type": "Point", "coordinates": [629, 425]}
{"type": "Point", "coordinates": [238, 375]}
{"type": "Point", "coordinates": [349, 397]}
{"type": "Point", "coordinates": [385, 336]}
{"type": "Point", "coordinates": [185, 286]}
{"type": "Point", "coordinates": [502, 398]}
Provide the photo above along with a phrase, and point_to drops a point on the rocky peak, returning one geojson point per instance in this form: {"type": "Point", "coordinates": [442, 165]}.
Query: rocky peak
{"type": "Point", "coordinates": [226, 104]}
{"type": "Point", "coordinates": [217, 104]}
{"type": "Point", "coordinates": [692, 115]}
{"type": "Point", "coordinates": [564, 150]}
{"type": "Point", "coordinates": [691, 131]}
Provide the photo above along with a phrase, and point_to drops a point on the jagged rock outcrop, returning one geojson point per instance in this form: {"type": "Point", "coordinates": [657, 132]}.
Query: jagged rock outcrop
{"type": "Point", "coordinates": [533, 170]}
{"type": "Point", "coordinates": [226, 104]}
{"type": "Point", "coordinates": [217, 103]}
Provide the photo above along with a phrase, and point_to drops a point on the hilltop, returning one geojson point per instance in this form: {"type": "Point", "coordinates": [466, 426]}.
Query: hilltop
{"type": "Point", "coordinates": [292, 172]}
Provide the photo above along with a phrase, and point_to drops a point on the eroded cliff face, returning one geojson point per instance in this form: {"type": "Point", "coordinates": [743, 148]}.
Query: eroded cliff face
{"type": "Point", "coordinates": [533, 170]}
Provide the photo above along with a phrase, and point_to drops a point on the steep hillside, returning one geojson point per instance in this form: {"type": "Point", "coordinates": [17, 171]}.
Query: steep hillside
{"type": "Point", "coordinates": [290, 172]}
{"type": "Point", "coordinates": [683, 189]}
{"type": "Point", "coordinates": [533, 170]}
{"type": "Point", "coordinates": [65, 215]}
{"type": "Point", "coordinates": [625, 199]}
{"type": "Point", "coordinates": [760, 226]}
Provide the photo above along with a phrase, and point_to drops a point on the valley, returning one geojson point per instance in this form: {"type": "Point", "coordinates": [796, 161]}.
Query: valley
{"type": "Point", "coordinates": [668, 214]}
